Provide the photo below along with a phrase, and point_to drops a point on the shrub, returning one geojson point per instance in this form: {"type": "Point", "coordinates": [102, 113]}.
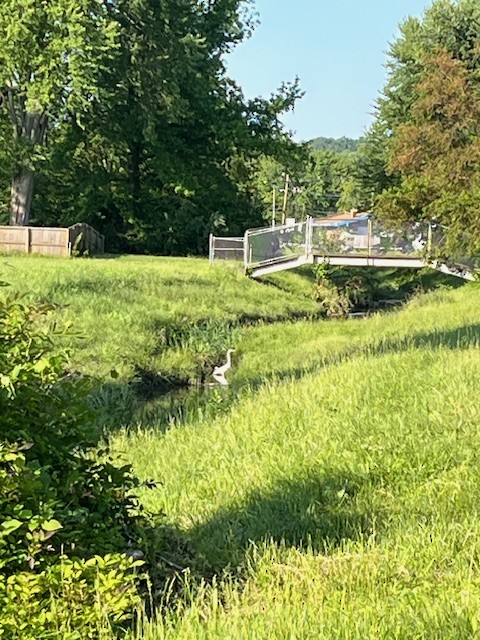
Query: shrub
{"type": "Point", "coordinates": [61, 505]}
{"type": "Point", "coordinates": [333, 301]}
{"type": "Point", "coordinates": [73, 600]}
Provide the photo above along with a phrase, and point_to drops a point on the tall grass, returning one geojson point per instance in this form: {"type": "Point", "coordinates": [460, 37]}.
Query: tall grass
{"type": "Point", "coordinates": [160, 314]}
{"type": "Point", "coordinates": [343, 505]}
{"type": "Point", "coordinates": [339, 497]}
{"type": "Point", "coordinates": [332, 491]}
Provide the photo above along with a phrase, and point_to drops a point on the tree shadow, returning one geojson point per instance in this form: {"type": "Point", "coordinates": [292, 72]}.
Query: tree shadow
{"type": "Point", "coordinates": [162, 402]}
{"type": "Point", "coordinates": [463, 337]}
{"type": "Point", "coordinates": [318, 512]}
{"type": "Point", "coordinates": [103, 256]}
{"type": "Point", "coordinates": [122, 404]}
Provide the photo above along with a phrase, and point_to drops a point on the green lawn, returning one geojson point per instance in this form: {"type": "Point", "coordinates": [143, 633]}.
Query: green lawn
{"type": "Point", "coordinates": [339, 499]}
{"type": "Point", "coordinates": [333, 490]}
{"type": "Point", "coordinates": [162, 314]}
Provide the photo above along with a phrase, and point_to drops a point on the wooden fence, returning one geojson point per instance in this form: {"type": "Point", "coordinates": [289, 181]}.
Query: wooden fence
{"type": "Point", "coordinates": [53, 241]}
{"type": "Point", "coordinates": [84, 239]}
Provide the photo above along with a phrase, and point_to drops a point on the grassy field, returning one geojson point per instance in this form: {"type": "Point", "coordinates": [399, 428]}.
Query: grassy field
{"type": "Point", "coordinates": [332, 490]}
{"type": "Point", "coordinates": [337, 496]}
{"type": "Point", "coordinates": [165, 315]}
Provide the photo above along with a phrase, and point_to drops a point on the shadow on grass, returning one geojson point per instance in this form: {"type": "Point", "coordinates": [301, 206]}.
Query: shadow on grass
{"type": "Point", "coordinates": [120, 405]}
{"type": "Point", "coordinates": [169, 402]}
{"type": "Point", "coordinates": [319, 512]}
{"type": "Point", "coordinates": [464, 337]}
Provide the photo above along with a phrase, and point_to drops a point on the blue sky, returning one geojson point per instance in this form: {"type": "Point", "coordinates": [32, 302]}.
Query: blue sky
{"type": "Point", "coordinates": [338, 50]}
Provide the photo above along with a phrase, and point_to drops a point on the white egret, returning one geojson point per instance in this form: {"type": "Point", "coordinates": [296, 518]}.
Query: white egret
{"type": "Point", "coordinates": [219, 372]}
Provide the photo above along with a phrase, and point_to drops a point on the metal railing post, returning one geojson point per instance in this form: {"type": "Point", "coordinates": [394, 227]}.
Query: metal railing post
{"type": "Point", "coordinates": [309, 236]}
{"type": "Point", "coordinates": [245, 251]}
{"type": "Point", "coordinates": [369, 238]}
{"type": "Point", "coordinates": [210, 249]}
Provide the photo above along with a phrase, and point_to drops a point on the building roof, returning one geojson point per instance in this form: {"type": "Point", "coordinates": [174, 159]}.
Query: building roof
{"type": "Point", "coordinates": [344, 218]}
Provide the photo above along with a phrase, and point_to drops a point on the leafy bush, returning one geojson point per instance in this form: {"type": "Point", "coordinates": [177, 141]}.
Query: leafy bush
{"type": "Point", "coordinates": [57, 499]}
{"type": "Point", "coordinates": [333, 301]}
{"type": "Point", "coordinates": [342, 289]}
{"type": "Point", "coordinates": [73, 599]}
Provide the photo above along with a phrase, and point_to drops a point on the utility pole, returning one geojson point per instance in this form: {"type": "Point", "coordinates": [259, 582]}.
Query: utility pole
{"type": "Point", "coordinates": [285, 198]}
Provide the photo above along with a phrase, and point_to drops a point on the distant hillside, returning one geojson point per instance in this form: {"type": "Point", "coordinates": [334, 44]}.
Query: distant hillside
{"type": "Point", "coordinates": [334, 144]}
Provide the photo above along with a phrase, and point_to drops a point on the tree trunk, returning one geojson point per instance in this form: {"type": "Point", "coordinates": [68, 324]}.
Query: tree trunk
{"type": "Point", "coordinates": [21, 198]}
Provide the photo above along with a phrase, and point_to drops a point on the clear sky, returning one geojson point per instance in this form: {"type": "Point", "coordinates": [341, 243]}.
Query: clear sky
{"type": "Point", "coordinates": [338, 50]}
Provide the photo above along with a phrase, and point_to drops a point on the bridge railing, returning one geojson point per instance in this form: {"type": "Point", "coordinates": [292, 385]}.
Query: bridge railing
{"type": "Point", "coordinates": [226, 248]}
{"type": "Point", "coordinates": [409, 241]}
{"type": "Point", "coordinates": [459, 256]}
{"type": "Point", "coordinates": [340, 237]}
{"type": "Point", "coordinates": [361, 236]}
{"type": "Point", "coordinates": [367, 237]}
{"type": "Point", "coordinates": [276, 244]}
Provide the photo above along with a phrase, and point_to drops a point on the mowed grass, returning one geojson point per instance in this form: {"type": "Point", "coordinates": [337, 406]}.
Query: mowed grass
{"type": "Point", "coordinates": [333, 490]}
{"type": "Point", "coordinates": [339, 497]}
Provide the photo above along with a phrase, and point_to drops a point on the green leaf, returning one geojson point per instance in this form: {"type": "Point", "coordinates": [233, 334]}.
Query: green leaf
{"type": "Point", "coordinates": [51, 525]}
{"type": "Point", "coordinates": [11, 525]}
{"type": "Point", "coordinates": [41, 365]}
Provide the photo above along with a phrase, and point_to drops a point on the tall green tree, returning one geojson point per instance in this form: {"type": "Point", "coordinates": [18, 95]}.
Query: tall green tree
{"type": "Point", "coordinates": [165, 156]}
{"type": "Point", "coordinates": [425, 142]}
{"type": "Point", "coordinates": [437, 152]}
{"type": "Point", "coordinates": [320, 181]}
{"type": "Point", "coordinates": [51, 58]}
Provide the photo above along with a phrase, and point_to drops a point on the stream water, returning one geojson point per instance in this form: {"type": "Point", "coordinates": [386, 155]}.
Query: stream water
{"type": "Point", "coordinates": [186, 404]}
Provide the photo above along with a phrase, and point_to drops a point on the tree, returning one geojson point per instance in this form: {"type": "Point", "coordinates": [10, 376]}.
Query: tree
{"type": "Point", "coordinates": [320, 181]}
{"type": "Point", "coordinates": [427, 133]}
{"type": "Point", "coordinates": [165, 156]}
{"type": "Point", "coordinates": [51, 57]}
{"type": "Point", "coordinates": [334, 144]}
{"type": "Point", "coordinates": [437, 153]}
{"type": "Point", "coordinates": [370, 175]}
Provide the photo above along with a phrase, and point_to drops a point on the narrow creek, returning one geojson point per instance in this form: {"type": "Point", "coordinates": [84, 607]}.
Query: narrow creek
{"type": "Point", "coordinates": [183, 404]}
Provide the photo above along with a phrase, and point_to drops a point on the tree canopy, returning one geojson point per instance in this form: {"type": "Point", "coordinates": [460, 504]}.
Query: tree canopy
{"type": "Point", "coordinates": [140, 131]}
{"type": "Point", "coordinates": [421, 157]}
{"type": "Point", "coordinates": [51, 59]}
{"type": "Point", "coordinates": [334, 144]}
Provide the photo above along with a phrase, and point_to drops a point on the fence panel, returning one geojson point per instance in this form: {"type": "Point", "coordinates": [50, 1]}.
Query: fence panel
{"type": "Point", "coordinates": [369, 237]}
{"type": "Point", "coordinates": [44, 240]}
{"type": "Point", "coordinates": [85, 239]}
{"type": "Point", "coordinates": [264, 246]}
{"type": "Point", "coordinates": [51, 241]}
{"type": "Point", "coordinates": [226, 248]}
{"type": "Point", "coordinates": [410, 240]}
{"type": "Point", "coordinates": [14, 239]}
{"type": "Point", "coordinates": [341, 237]}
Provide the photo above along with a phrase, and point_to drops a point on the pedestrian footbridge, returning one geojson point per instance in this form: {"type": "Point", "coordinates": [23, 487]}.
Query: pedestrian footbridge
{"type": "Point", "coordinates": [357, 242]}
